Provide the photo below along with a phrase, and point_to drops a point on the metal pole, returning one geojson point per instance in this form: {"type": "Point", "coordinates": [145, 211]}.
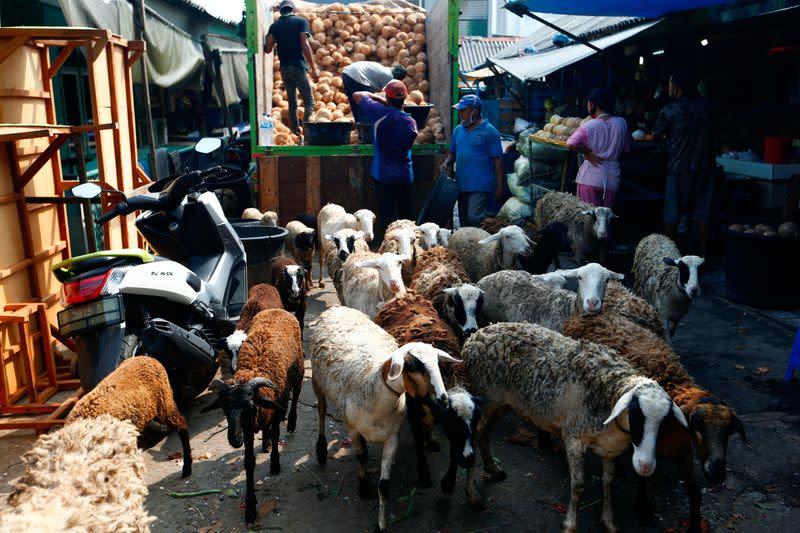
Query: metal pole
{"type": "Point", "coordinates": [86, 205]}
{"type": "Point", "coordinates": [138, 23]}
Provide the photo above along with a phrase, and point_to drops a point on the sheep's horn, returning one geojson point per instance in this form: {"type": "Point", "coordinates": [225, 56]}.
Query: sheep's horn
{"type": "Point", "coordinates": [260, 382]}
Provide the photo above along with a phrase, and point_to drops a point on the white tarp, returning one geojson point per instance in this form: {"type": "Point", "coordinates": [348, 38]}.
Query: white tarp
{"type": "Point", "coordinates": [172, 56]}
{"type": "Point", "coordinates": [235, 82]}
{"type": "Point", "coordinates": [538, 65]}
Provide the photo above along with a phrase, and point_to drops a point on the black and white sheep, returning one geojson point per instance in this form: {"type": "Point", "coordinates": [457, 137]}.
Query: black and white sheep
{"type": "Point", "coordinates": [576, 389]}
{"type": "Point", "coordinates": [360, 368]}
{"type": "Point", "coordinates": [516, 296]}
{"type": "Point", "coordinates": [666, 280]}
{"type": "Point", "coordinates": [369, 280]}
{"type": "Point", "coordinates": [333, 218]}
{"type": "Point", "coordinates": [587, 225]}
{"type": "Point", "coordinates": [345, 242]}
{"type": "Point", "coordinates": [483, 254]}
{"type": "Point", "coordinates": [86, 476]}
{"type": "Point", "coordinates": [290, 280]}
{"type": "Point", "coordinates": [139, 391]}
{"type": "Point", "coordinates": [300, 243]}
{"type": "Point", "coordinates": [256, 397]}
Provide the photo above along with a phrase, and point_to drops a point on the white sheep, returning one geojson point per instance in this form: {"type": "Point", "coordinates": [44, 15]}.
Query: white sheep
{"type": "Point", "coordinates": [360, 369]}
{"type": "Point", "coordinates": [443, 236]}
{"type": "Point", "coordinates": [428, 235]}
{"type": "Point", "coordinates": [86, 476]}
{"type": "Point", "coordinates": [333, 218]}
{"type": "Point", "coordinates": [517, 296]}
{"type": "Point", "coordinates": [587, 225]}
{"type": "Point", "coordinates": [666, 280]}
{"type": "Point", "coordinates": [344, 242]}
{"type": "Point", "coordinates": [576, 389]}
{"type": "Point", "coordinates": [483, 254]}
{"type": "Point", "coordinates": [267, 218]}
{"type": "Point", "coordinates": [402, 241]}
{"type": "Point", "coordinates": [369, 280]}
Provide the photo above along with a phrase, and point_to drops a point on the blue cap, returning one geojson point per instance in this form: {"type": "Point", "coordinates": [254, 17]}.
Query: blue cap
{"type": "Point", "coordinates": [469, 100]}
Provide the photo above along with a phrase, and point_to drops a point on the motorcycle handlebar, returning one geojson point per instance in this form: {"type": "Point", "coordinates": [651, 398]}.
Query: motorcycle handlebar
{"type": "Point", "coordinates": [119, 209]}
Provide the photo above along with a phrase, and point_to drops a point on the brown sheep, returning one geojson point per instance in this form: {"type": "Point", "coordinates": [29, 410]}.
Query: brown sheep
{"type": "Point", "coordinates": [494, 224]}
{"type": "Point", "coordinates": [621, 301]}
{"type": "Point", "coordinates": [262, 296]}
{"type": "Point", "coordinates": [139, 391]}
{"type": "Point", "coordinates": [256, 397]}
{"type": "Point", "coordinates": [711, 421]}
{"type": "Point", "coordinates": [437, 269]}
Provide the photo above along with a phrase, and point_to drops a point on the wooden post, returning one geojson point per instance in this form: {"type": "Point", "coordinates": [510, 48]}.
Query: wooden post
{"type": "Point", "coordinates": [139, 30]}
{"type": "Point", "coordinates": [86, 205]}
{"type": "Point", "coordinates": [313, 185]}
{"type": "Point", "coordinates": [268, 196]}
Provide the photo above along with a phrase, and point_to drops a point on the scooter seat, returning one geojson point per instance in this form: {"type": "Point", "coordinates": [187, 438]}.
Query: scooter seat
{"type": "Point", "coordinates": [83, 265]}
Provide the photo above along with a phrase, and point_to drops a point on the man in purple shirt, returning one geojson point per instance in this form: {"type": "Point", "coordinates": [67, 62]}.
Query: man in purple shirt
{"type": "Point", "coordinates": [394, 132]}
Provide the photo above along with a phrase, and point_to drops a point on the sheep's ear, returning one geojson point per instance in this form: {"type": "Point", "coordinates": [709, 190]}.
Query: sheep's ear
{"type": "Point", "coordinates": [614, 215]}
{"type": "Point", "coordinates": [740, 429]}
{"type": "Point", "coordinates": [588, 212]}
{"type": "Point", "coordinates": [328, 237]}
{"type": "Point", "coordinates": [495, 237]}
{"type": "Point", "coordinates": [702, 260]}
{"type": "Point", "coordinates": [616, 276]}
{"type": "Point", "coordinates": [369, 263]}
{"type": "Point", "coordinates": [670, 262]}
{"type": "Point", "coordinates": [398, 360]}
{"type": "Point", "coordinates": [445, 357]}
{"type": "Point", "coordinates": [357, 235]}
{"type": "Point", "coordinates": [620, 406]}
{"type": "Point", "coordinates": [217, 385]}
{"type": "Point", "coordinates": [403, 258]}
{"type": "Point", "coordinates": [569, 274]}
{"type": "Point", "coordinates": [268, 403]}
{"type": "Point", "coordinates": [679, 415]}
{"type": "Point", "coordinates": [450, 291]}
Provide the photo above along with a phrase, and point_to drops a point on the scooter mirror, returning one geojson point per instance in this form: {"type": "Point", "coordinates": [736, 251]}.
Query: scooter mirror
{"type": "Point", "coordinates": [207, 145]}
{"type": "Point", "coordinates": [86, 190]}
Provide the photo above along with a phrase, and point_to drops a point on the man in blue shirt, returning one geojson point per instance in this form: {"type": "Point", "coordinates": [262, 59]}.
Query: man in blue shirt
{"type": "Point", "coordinates": [291, 34]}
{"type": "Point", "coordinates": [394, 132]}
{"type": "Point", "coordinates": [367, 76]}
{"type": "Point", "coordinates": [475, 148]}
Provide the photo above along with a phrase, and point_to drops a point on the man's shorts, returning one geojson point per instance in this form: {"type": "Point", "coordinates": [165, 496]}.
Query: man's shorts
{"type": "Point", "coordinates": [688, 192]}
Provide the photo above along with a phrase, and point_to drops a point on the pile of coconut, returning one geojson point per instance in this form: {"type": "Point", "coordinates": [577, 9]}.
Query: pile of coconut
{"type": "Point", "coordinates": [787, 230]}
{"type": "Point", "coordinates": [344, 34]}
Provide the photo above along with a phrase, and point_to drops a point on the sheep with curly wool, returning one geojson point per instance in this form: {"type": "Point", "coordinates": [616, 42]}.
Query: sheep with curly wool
{"type": "Point", "coordinates": [440, 278]}
{"type": "Point", "coordinates": [369, 280]}
{"type": "Point", "coordinates": [582, 391]}
{"type": "Point", "coordinates": [86, 476]}
{"type": "Point", "coordinates": [360, 368]}
{"type": "Point", "coordinates": [139, 391]}
{"type": "Point", "coordinates": [256, 397]}
{"type": "Point", "coordinates": [260, 297]}
{"type": "Point", "coordinates": [345, 242]}
{"type": "Point", "coordinates": [619, 300]}
{"type": "Point", "coordinates": [711, 421]}
{"type": "Point", "coordinates": [587, 225]}
{"type": "Point", "coordinates": [402, 241]}
{"type": "Point", "coordinates": [300, 243]}
{"type": "Point", "coordinates": [333, 218]}
{"type": "Point", "coordinates": [516, 296]}
{"type": "Point", "coordinates": [267, 218]}
{"type": "Point", "coordinates": [290, 280]}
{"type": "Point", "coordinates": [666, 280]}
{"type": "Point", "coordinates": [483, 254]}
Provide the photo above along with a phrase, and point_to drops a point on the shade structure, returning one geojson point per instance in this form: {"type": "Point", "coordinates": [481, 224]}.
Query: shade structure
{"type": "Point", "coordinates": [617, 8]}
{"type": "Point", "coordinates": [541, 64]}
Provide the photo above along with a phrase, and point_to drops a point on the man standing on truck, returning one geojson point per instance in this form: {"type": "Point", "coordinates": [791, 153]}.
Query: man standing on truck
{"type": "Point", "coordinates": [367, 76]}
{"type": "Point", "coordinates": [394, 132]}
{"type": "Point", "coordinates": [475, 147]}
{"type": "Point", "coordinates": [290, 33]}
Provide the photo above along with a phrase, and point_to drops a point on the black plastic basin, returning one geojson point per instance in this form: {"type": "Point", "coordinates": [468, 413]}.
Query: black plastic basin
{"type": "Point", "coordinates": [419, 113]}
{"type": "Point", "coordinates": [261, 243]}
{"type": "Point", "coordinates": [327, 133]}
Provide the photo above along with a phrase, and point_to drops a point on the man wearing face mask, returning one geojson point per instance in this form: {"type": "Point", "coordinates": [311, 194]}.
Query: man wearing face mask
{"type": "Point", "coordinates": [475, 147]}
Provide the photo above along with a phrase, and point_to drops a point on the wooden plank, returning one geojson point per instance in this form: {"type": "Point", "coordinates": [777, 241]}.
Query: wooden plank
{"type": "Point", "coordinates": [112, 88]}
{"type": "Point", "coordinates": [16, 267]}
{"type": "Point", "coordinates": [31, 150]}
{"type": "Point", "coordinates": [12, 46]}
{"type": "Point", "coordinates": [24, 93]}
{"type": "Point", "coordinates": [9, 198]}
{"type": "Point", "coordinates": [269, 198]}
{"type": "Point", "coordinates": [29, 355]}
{"type": "Point", "coordinates": [24, 223]}
{"type": "Point", "coordinates": [59, 61]}
{"type": "Point", "coordinates": [43, 159]}
{"type": "Point", "coordinates": [313, 185]}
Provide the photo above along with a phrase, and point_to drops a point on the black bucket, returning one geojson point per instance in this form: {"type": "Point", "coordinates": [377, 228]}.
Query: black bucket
{"type": "Point", "coordinates": [327, 133]}
{"type": "Point", "coordinates": [419, 113]}
{"type": "Point", "coordinates": [261, 243]}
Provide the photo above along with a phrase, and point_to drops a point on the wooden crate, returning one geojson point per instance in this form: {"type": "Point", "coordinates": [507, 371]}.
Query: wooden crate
{"type": "Point", "coordinates": [30, 164]}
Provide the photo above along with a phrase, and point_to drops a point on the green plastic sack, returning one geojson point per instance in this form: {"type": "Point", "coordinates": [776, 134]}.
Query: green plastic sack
{"type": "Point", "coordinates": [514, 209]}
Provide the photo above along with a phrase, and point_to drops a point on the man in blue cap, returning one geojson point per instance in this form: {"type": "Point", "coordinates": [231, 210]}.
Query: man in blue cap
{"type": "Point", "coordinates": [475, 148]}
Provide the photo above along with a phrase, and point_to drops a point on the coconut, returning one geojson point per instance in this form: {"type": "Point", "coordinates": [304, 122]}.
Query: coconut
{"type": "Point", "coordinates": [762, 228]}
{"type": "Point", "coordinates": [736, 227]}
{"type": "Point", "coordinates": [789, 230]}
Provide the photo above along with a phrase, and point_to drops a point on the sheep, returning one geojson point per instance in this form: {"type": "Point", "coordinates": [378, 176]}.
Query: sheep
{"type": "Point", "coordinates": [494, 224]}
{"type": "Point", "coordinates": [412, 318]}
{"type": "Point", "coordinates": [440, 278]}
{"type": "Point", "coordinates": [300, 243]}
{"type": "Point", "coordinates": [502, 252]}
{"type": "Point", "coordinates": [260, 297]}
{"type": "Point", "coordinates": [359, 367]}
{"type": "Point", "coordinates": [620, 301]}
{"type": "Point", "coordinates": [443, 236]}
{"type": "Point", "coordinates": [290, 280]}
{"type": "Point", "coordinates": [428, 235]}
{"type": "Point", "coordinates": [267, 218]}
{"type": "Point", "coordinates": [345, 242]}
{"type": "Point", "coordinates": [587, 226]}
{"type": "Point", "coordinates": [139, 391]}
{"type": "Point", "coordinates": [369, 280]}
{"type": "Point", "coordinates": [402, 241]}
{"type": "Point", "coordinates": [516, 296]}
{"type": "Point", "coordinates": [710, 420]}
{"type": "Point", "coordinates": [86, 476]}
{"type": "Point", "coordinates": [548, 245]}
{"type": "Point", "coordinates": [256, 397]}
{"type": "Point", "coordinates": [572, 388]}
{"type": "Point", "coordinates": [308, 219]}
{"type": "Point", "coordinates": [333, 218]}
{"type": "Point", "coordinates": [666, 280]}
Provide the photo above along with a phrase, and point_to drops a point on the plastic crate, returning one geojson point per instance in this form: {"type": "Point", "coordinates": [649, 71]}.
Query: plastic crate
{"type": "Point", "coordinates": [327, 133]}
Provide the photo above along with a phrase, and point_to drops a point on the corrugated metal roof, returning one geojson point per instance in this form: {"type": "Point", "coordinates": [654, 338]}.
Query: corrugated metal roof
{"type": "Point", "coordinates": [475, 51]}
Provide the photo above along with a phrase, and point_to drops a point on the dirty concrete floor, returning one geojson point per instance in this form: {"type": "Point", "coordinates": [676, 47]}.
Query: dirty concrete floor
{"type": "Point", "coordinates": [726, 348]}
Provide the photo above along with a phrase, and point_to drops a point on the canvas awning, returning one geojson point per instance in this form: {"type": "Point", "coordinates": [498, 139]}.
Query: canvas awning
{"type": "Point", "coordinates": [480, 74]}
{"type": "Point", "coordinates": [540, 64]}
{"type": "Point", "coordinates": [619, 8]}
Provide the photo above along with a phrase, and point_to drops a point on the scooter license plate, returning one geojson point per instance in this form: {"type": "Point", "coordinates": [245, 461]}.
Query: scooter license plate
{"type": "Point", "coordinates": [99, 313]}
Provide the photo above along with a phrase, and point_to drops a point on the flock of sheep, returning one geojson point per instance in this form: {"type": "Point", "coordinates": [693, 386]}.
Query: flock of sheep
{"type": "Point", "coordinates": [440, 329]}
